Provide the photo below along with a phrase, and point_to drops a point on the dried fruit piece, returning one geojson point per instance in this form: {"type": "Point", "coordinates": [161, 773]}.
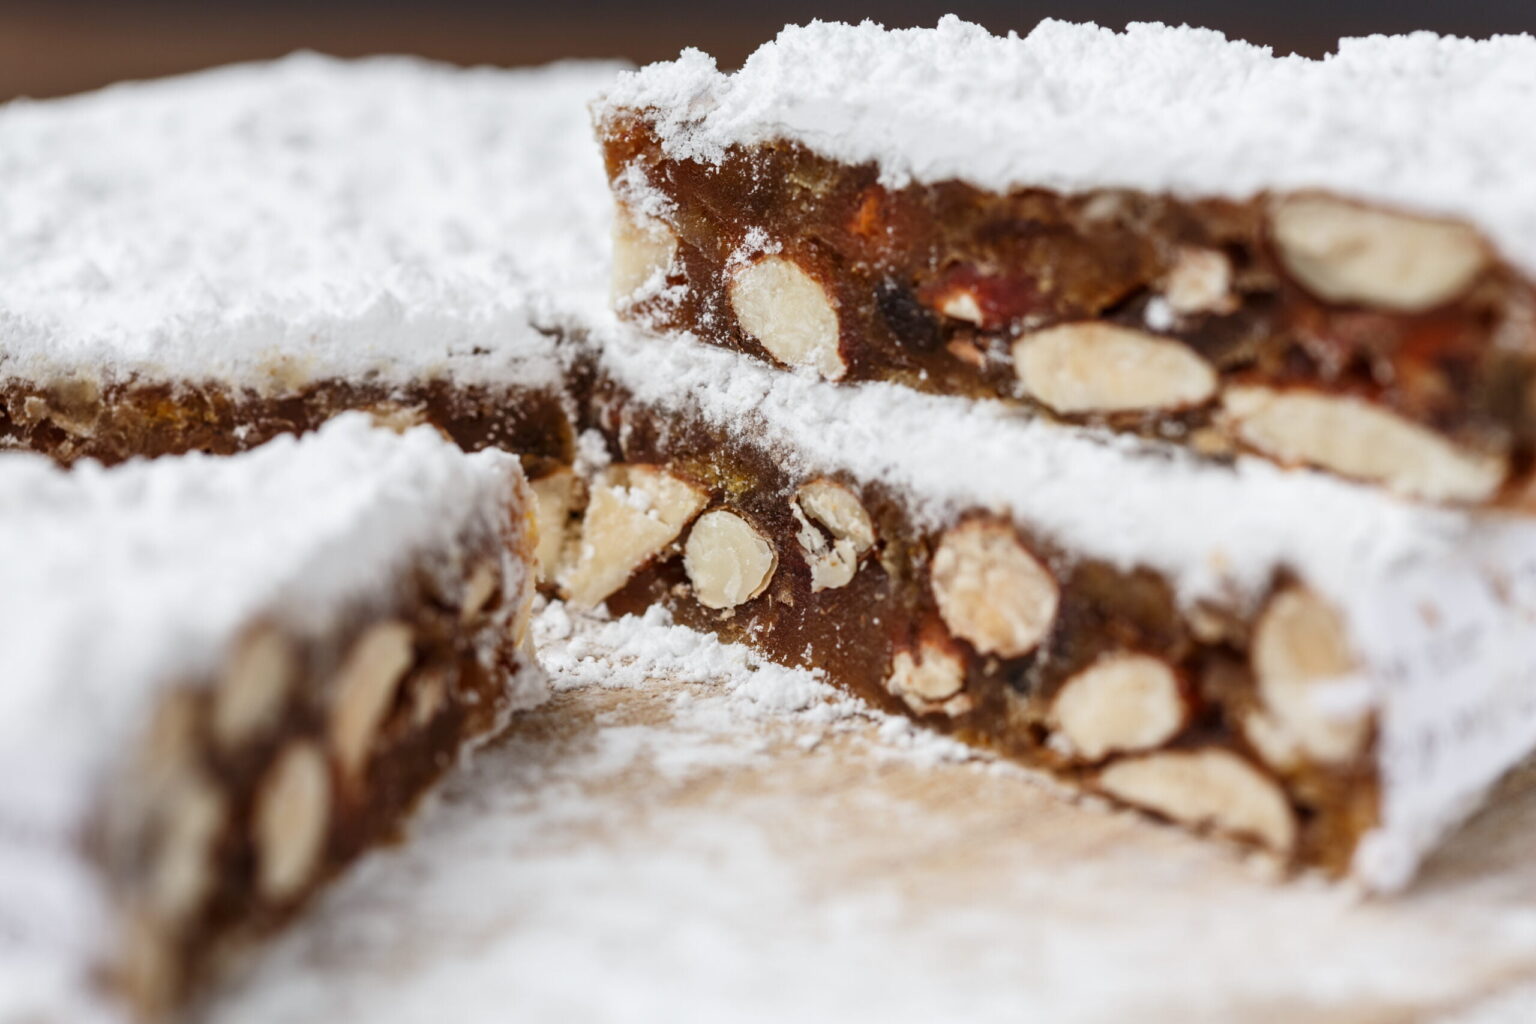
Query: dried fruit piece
{"type": "Point", "coordinates": [727, 560]}
{"type": "Point", "coordinates": [1352, 437]}
{"type": "Point", "coordinates": [789, 314]}
{"type": "Point", "coordinates": [1344, 252]}
{"type": "Point", "coordinates": [257, 680]}
{"type": "Point", "coordinates": [988, 298]}
{"type": "Point", "coordinates": [1200, 281]}
{"type": "Point", "coordinates": [1307, 684]}
{"type": "Point", "coordinates": [554, 499]}
{"type": "Point", "coordinates": [1205, 788]}
{"type": "Point", "coordinates": [644, 249]}
{"type": "Point", "coordinates": [1094, 367]}
{"type": "Point", "coordinates": [834, 531]}
{"type": "Point", "coordinates": [1122, 702]}
{"type": "Point", "coordinates": [365, 691]}
{"type": "Point", "coordinates": [290, 820]}
{"type": "Point", "coordinates": [636, 510]}
{"type": "Point", "coordinates": [991, 591]}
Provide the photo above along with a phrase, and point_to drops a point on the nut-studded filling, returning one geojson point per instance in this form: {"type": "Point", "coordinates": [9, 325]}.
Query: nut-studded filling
{"type": "Point", "coordinates": [1406, 344]}
{"type": "Point", "coordinates": [305, 749]}
{"type": "Point", "coordinates": [79, 418]}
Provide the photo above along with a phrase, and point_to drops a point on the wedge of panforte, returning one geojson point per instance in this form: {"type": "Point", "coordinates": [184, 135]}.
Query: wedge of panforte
{"type": "Point", "coordinates": [1309, 665]}
{"type": "Point", "coordinates": [208, 261]}
{"type": "Point", "coordinates": [1158, 231]}
{"type": "Point", "coordinates": [226, 678]}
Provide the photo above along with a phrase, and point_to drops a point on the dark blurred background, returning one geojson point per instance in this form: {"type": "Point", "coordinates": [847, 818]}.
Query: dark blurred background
{"type": "Point", "coordinates": [51, 48]}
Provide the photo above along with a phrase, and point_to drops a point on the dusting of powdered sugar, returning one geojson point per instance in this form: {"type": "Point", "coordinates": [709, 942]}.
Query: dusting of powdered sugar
{"type": "Point", "coordinates": [124, 583]}
{"type": "Point", "coordinates": [755, 243]}
{"type": "Point", "coordinates": [260, 226]}
{"type": "Point", "coordinates": [641, 196]}
{"type": "Point", "coordinates": [743, 685]}
{"type": "Point", "coordinates": [1426, 122]}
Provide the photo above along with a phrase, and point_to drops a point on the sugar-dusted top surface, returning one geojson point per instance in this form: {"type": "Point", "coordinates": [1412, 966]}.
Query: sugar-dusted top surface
{"type": "Point", "coordinates": [122, 583]}
{"type": "Point", "coordinates": [308, 218]}
{"type": "Point", "coordinates": [1435, 124]}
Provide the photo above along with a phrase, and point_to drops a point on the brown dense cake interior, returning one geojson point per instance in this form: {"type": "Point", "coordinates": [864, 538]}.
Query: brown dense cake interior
{"type": "Point", "coordinates": [1286, 325]}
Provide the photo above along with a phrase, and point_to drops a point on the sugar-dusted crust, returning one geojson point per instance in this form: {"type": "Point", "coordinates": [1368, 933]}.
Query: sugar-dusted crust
{"type": "Point", "coordinates": [1177, 271]}
{"type": "Point", "coordinates": [229, 677]}
{"type": "Point", "coordinates": [1404, 120]}
{"type": "Point", "coordinates": [267, 229]}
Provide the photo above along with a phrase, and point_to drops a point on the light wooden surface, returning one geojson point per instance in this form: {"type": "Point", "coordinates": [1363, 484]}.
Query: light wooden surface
{"type": "Point", "coordinates": [678, 845]}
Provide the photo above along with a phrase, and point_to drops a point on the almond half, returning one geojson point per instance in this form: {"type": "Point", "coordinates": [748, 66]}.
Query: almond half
{"type": "Point", "coordinates": [728, 560]}
{"type": "Point", "coordinates": [991, 591]}
{"type": "Point", "coordinates": [1102, 368]}
{"type": "Point", "coordinates": [834, 532]}
{"type": "Point", "coordinates": [1206, 789]}
{"type": "Point", "coordinates": [644, 250]}
{"type": "Point", "coordinates": [636, 510]}
{"type": "Point", "coordinates": [789, 314]}
{"type": "Point", "coordinates": [1354, 438]}
{"type": "Point", "coordinates": [1344, 252]}
{"type": "Point", "coordinates": [1122, 702]}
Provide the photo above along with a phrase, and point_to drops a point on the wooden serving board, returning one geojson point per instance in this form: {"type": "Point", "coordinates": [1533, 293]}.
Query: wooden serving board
{"type": "Point", "coordinates": [684, 834]}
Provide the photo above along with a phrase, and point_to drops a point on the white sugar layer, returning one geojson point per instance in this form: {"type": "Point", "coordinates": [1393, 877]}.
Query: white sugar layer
{"type": "Point", "coordinates": [1434, 124]}
{"type": "Point", "coordinates": [267, 225]}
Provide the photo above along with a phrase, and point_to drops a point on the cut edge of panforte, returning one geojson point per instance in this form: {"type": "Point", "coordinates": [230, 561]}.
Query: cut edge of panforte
{"type": "Point", "coordinates": [1377, 339]}
{"type": "Point", "coordinates": [302, 737]}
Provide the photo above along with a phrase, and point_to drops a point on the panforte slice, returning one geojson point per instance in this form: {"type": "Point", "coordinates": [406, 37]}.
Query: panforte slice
{"type": "Point", "coordinates": [206, 262]}
{"type": "Point", "coordinates": [1157, 231]}
{"type": "Point", "coordinates": [227, 678]}
{"type": "Point", "coordinates": [1302, 663]}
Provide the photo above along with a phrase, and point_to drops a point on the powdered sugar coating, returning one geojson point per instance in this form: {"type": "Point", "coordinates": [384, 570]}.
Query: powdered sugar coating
{"type": "Point", "coordinates": [1421, 121]}
{"type": "Point", "coordinates": [266, 225]}
{"type": "Point", "coordinates": [123, 583]}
